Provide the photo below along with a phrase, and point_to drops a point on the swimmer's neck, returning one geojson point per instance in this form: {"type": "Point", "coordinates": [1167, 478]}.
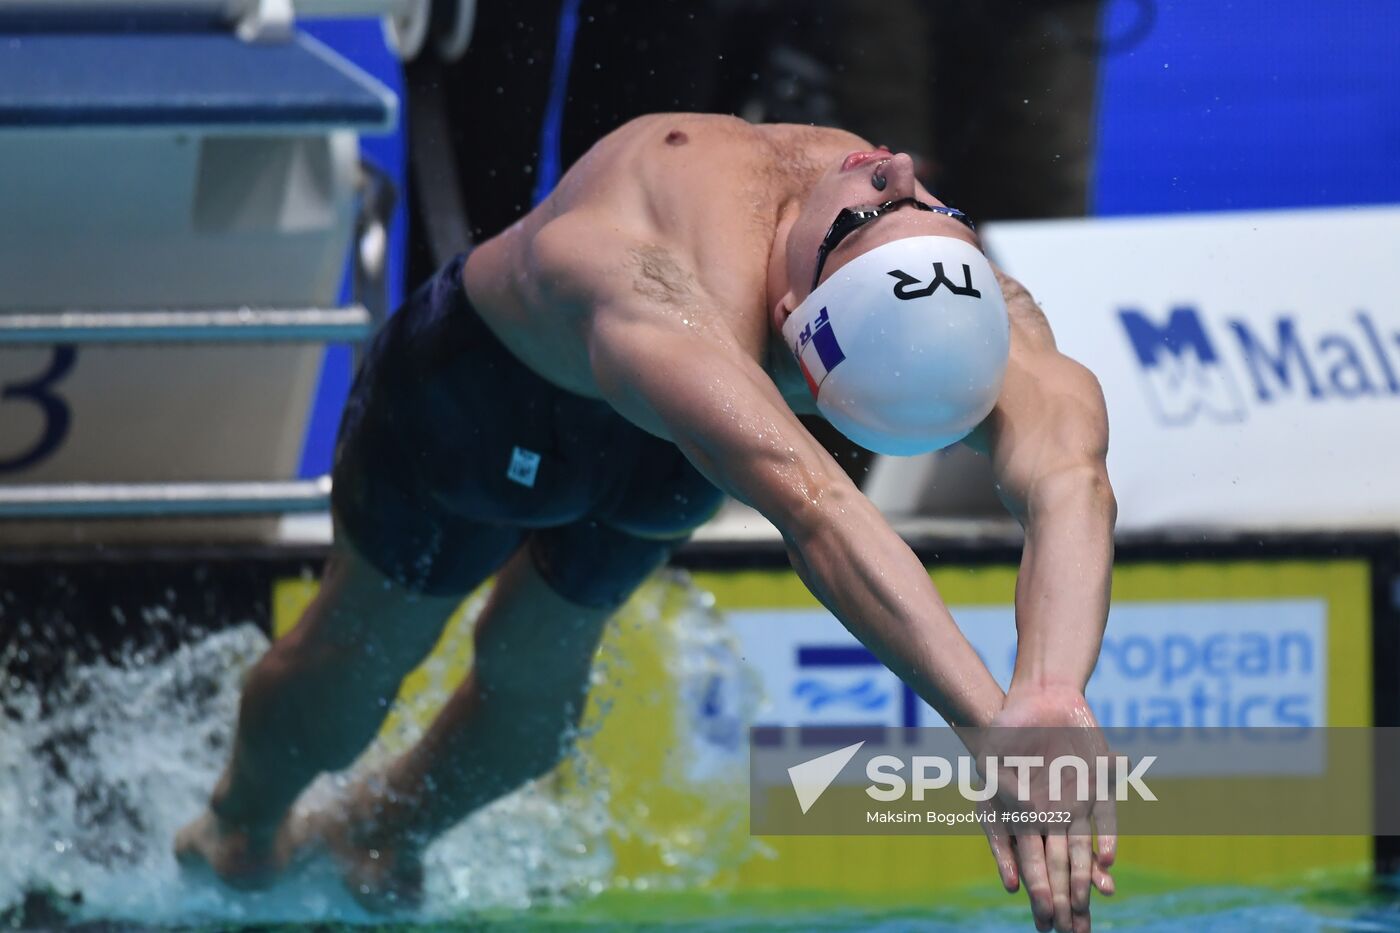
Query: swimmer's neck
{"type": "Point", "coordinates": [778, 360]}
{"type": "Point", "coordinates": [782, 368]}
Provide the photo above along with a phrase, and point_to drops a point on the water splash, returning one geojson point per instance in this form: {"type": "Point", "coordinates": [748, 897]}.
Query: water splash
{"type": "Point", "coordinates": [96, 779]}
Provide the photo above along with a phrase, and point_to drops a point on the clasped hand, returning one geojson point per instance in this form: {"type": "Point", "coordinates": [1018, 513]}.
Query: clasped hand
{"type": "Point", "coordinates": [1047, 818]}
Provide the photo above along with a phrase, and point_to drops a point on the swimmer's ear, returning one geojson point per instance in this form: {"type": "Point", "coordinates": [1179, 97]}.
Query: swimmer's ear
{"type": "Point", "coordinates": [782, 310]}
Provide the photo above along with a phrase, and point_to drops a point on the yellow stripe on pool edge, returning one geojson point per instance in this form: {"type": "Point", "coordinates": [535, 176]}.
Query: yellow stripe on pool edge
{"type": "Point", "coordinates": [660, 821]}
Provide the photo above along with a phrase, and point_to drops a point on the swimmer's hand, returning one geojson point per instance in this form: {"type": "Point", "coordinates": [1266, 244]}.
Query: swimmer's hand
{"type": "Point", "coordinates": [1059, 863]}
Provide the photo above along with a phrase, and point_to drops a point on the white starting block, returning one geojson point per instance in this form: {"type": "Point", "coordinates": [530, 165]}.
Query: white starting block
{"type": "Point", "coordinates": [407, 23]}
{"type": "Point", "coordinates": [179, 206]}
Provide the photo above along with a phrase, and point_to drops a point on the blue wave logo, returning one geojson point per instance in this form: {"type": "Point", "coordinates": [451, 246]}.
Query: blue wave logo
{"type": "Point", "coordinates": [818, 694]}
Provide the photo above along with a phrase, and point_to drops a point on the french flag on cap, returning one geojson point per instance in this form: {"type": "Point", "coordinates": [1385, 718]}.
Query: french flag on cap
{"type": "Point", "coordinates": [818, 352]}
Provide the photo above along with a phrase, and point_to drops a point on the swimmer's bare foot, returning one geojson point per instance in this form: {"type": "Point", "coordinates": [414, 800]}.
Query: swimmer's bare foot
{"type": "Point", "coordinates": [381, 869]}
{"type": "Point", "coordinates": [242, 858]}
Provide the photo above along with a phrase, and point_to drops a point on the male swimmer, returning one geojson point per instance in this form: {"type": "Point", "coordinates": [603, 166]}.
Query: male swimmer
{"type": "Point", "coordinates": [564, 404]}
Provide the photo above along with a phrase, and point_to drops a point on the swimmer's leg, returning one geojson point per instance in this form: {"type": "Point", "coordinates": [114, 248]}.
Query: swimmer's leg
{"type": "Point", "coordinates": [311, 704]}
{"type": "Point", "coordinates": [510, 722]}
{"type": "Point", "coordinates": [513, 718]}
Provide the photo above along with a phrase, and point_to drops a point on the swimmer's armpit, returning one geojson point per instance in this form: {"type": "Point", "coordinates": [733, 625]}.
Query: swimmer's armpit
{"type": "Point", "coordinates": [657, 276]}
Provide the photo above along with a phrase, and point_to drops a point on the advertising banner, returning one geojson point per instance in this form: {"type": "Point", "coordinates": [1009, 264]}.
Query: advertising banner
{"type": "Point", "coordinates": [1274, 655]}
{"type": "Point", "coordinates": [1179, 664]}
{"type": "Point", "coordinates": [1250, 361]}
{"type": "Point", "coordinates": [693, 667]}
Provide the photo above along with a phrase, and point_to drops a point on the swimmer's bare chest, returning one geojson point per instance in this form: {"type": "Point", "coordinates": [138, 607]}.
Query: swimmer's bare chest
{"type": "Point", "coordinates": [679, 210]}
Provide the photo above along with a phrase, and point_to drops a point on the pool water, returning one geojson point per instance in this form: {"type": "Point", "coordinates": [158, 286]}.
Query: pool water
{"type": "Point", "coordinates": [96, 778]}
{"type": "Point", "coordinates": [1205, 910]}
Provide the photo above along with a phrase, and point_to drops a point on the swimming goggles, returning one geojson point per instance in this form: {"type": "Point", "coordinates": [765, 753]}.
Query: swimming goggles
{"type": "Point", "coordinates": [852, 219]}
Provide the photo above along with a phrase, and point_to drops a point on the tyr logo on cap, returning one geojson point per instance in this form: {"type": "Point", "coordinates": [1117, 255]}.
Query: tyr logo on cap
{"type": "Point", "coordinates": [903, 291]}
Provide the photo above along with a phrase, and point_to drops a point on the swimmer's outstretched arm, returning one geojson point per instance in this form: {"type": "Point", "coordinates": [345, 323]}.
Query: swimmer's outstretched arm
{"type": "Point", "coordinates": [706, 395]}
{"type": "Point", "coordinates": [675, 377]}
{"type": "Point", "coordinates": [1047, 438]}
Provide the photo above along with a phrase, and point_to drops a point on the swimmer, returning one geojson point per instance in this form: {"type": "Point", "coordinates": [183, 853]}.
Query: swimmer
{"type": "Point", "coordinates": [565, 403]}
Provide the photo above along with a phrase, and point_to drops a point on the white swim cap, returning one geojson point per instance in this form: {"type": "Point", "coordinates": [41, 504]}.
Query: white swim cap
{"type": "Point", "coordinates": [905, 346]}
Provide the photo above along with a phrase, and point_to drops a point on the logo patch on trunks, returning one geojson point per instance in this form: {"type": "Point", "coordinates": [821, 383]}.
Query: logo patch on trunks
{"type": "Point", "coordinates": [524, 464]}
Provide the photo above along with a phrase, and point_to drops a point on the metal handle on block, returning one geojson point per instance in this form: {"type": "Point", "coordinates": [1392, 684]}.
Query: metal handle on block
{"type": "Point", "coordinates": [163, 500]}
{"type": "Point", "coordinates": [245, 325]}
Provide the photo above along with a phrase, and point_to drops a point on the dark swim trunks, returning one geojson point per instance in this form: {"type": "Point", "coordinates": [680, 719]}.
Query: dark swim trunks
{"type": "Point", "coordinates": [451, 452]}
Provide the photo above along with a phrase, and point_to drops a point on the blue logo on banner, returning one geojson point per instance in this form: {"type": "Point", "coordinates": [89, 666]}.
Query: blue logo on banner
{"type": "Point", "coordinates": [1185, 374]}
{"type": "Point", "coordinates": [849, 657]}
{"type": "Point", "coordinates": [819, 694]}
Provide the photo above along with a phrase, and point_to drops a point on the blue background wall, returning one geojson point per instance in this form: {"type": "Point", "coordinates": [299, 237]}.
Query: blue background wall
{"type": "Point", "coordinates": [1249, 104]}
{"type": "Point", "coordinates": [361, 41]}
{"type": "Point", "coordinates": [1205, 105]}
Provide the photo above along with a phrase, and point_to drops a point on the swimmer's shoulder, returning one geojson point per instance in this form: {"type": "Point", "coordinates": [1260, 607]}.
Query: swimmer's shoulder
{"type": "Point", "coordinates": [662, 148]}
{"type": "Point", "coordinates": [678, 138]}
{"type": "Point", "coordinates": [587, 259]}
{"type": "Point", "coordinates": [660, 151]}
{"type": "Point", "coordinates": [634, 194]}
{"type": "Point", "coordinates": [679, 129]}
{"type": "Point", "coordinates": [676, 209]}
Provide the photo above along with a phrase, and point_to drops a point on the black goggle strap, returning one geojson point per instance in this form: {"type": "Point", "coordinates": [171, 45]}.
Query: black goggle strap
{"type": "Point", "coordinates": [851, 219]}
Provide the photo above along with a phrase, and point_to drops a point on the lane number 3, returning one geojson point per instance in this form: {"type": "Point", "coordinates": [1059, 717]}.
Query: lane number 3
{"type": "Point", "coordinates": [54, 410]}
